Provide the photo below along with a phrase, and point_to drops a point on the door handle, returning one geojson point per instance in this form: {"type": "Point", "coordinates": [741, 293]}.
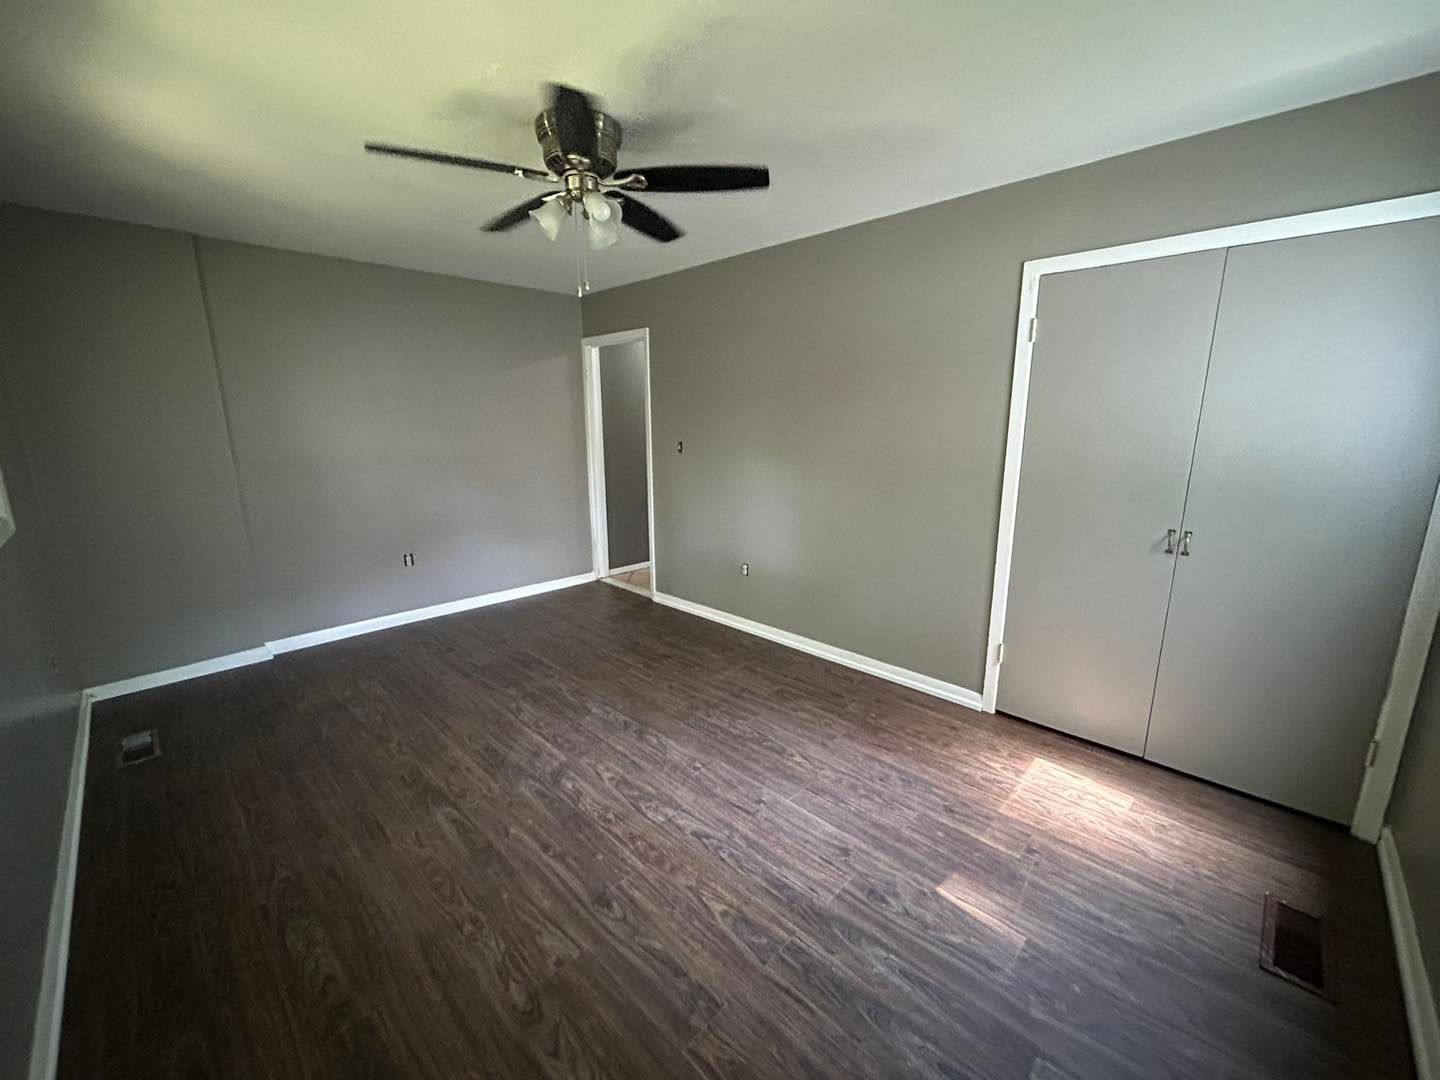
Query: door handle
{"type": "Point", "coordinates": [1185, 539]}
{"type": "Point", "coordinates": [1169, 541]}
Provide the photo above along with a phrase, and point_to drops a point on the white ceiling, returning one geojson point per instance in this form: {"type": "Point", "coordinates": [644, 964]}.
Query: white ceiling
{"type": "Point", "coordinates": [245, 120]}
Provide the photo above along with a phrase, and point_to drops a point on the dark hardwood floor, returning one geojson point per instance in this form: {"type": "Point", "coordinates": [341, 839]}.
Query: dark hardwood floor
{"type": "Point", "coordinates": [582, 835]}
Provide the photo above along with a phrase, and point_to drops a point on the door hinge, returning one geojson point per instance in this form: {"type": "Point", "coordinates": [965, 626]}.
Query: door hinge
{"type": "Point", "coordinates": [999, 652]}
{"type": "Point", "coordinates": [1034, 328]}
{"type": "Point", "coordinates": [1372, 753]}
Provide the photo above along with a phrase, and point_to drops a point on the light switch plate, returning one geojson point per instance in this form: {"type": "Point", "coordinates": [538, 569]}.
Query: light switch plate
{"type": "Point", "coordinates": [7, 519]}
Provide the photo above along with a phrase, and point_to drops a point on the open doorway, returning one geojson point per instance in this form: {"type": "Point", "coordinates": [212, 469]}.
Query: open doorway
{"type": "Point", "coordinates": [617, 421]}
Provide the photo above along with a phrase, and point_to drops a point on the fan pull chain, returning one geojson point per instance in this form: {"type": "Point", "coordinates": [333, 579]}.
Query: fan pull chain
{"type": "Point", "coordinates": [582, 270]}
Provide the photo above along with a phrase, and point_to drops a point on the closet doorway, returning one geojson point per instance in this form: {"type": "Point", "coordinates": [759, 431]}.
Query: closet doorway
{"type": "Point", "coordinates": [1209, 547]}
{"type": "Point", "coordinates": [617, 423]}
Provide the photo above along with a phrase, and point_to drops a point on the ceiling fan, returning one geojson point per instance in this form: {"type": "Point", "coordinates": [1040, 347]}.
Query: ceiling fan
{"type": "Point", "coordinates": [580, 146]}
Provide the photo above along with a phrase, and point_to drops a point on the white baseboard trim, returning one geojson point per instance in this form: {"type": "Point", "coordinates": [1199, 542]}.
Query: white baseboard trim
{"type": "Point", "coordinates": [913, 679]}
{"type": "Point", "coordinates": [272, 649]}
{"type": "Point", "coordinates": [178, 674]}
{"type": "Point", "coordinates": [1419, 1000]}
{"type": "Point", "coordinates": [434, 611]}
{"type": "Point", "coordinates": [633, 566]}
{"type": "Point", "coordinates": [45, 1046]}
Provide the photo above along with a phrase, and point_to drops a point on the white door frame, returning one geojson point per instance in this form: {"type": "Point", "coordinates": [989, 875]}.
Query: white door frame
{"type": "Point", "coordinates": [1424, 605]}
{"type": "Point", "coordinates": [595, 450]}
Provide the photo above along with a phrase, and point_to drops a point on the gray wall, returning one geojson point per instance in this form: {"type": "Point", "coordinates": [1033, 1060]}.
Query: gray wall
{"type": "Point", "coordinates": [1415, 815]}
{"type": "Point", "coordinates": [843, 398]}
{"type": "Point", "coordinates": [38, 712]}
{"type": "Point", "coordinates": [120, 411]}
{"type": "Point", "coordinates": [627, 495]}
{"type": "Point", "coordinates": [373, 412]}
{"type": "Point", "coordinates": [377, 411]}
{"type": "Point", "coordinates": [236, 444]}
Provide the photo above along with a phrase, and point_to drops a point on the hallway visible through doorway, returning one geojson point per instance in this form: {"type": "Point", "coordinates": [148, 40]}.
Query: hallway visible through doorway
{"type": "Point", "coordinates": [617, 393]}
{"type": "Point", "coordinates": [637, 579]}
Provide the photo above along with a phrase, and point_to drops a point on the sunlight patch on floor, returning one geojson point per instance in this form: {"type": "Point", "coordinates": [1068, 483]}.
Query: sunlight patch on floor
{"type": "Point", "coordinates": [1053, 797]}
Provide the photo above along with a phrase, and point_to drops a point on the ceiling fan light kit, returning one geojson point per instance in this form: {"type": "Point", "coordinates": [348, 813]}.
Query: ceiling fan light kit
{"type": "Point", "coordinates": [580, 146]}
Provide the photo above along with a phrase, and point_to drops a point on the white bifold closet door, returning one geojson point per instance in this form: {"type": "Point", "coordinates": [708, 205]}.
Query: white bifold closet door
{"type": "Point", "coordinates": [1314, 475]}
{"type": "Point", "coordinates": [1278, 406]}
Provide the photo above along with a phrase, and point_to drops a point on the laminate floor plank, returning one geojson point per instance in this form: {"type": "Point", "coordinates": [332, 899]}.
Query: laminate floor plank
{"type": "Point", "coordinates": [583, 835]}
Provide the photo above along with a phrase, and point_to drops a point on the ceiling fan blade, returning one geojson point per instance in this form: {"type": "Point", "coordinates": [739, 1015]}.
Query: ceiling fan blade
{"type": "Point", "coordinates": [574, 121]}
{"type": "Point", "coordinates": [515, 215]}
{"type": "Point", "coordinates": [700, 177]}
{"type": "Point", "coordinates": [458, 159]}
{"type": "Point", "coordinates": [642, 219]}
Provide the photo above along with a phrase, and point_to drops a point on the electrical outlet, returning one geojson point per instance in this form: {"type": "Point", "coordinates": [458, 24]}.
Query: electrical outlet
{"type": "Point", "coordinates": [408, 559]}
{"type": "Point", "coordinates": [744, 569]}
{"type": "Point", "coordinates": [142, 746]}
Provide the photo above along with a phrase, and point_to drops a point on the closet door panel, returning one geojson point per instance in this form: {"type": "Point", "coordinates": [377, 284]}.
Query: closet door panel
{"type": "Point", "coordinates": [1315, 469]}
{"type": "Point", "coordinates": [1117, 375]}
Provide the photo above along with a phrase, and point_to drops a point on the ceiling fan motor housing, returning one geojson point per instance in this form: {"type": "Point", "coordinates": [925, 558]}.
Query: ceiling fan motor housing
{"type": "Point", "coordinates": [607, 143]}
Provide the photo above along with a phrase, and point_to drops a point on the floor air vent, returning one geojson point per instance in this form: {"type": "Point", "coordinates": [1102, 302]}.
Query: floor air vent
{"type": "Point", "coordinates": [142, 746]}
{"type": "Point", "coordinates": [1292, 945]}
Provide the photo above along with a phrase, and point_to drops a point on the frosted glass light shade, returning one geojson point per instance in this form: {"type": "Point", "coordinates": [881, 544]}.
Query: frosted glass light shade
{"type": "Point", "coordinates": [551, 216]}
{"type": "Point", "coordinates": [597, 206]}
{"type": "Point", "coordinates": [602, 234]}
{"type": "Point", "coordinates": [604, 222]}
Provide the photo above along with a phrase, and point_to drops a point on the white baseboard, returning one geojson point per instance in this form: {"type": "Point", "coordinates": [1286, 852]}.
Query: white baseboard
{"type": "Point", "coordinates": [913, 679]}
{"type": "Point", "coordinates": [1419, 1000]}
{"type": "Point", "coordinates": [45, 1046]}
{"type": "Point", "coordinates": [272, 649]}
{"type": "Point", "coordinates": [628, 569]}
{"type": "Point", "coordinates": [434, 611]}
{"type": "Point", "coordinates": [178, 674]}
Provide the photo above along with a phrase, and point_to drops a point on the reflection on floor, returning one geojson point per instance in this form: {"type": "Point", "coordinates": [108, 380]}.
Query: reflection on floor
{"type": "Point", "coordinates": [638, 580]}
